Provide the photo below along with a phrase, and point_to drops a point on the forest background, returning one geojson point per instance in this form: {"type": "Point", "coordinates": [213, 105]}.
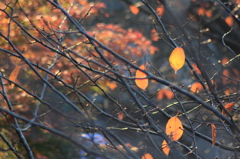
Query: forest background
{"type": "Point", "coordinates": [94, 79]}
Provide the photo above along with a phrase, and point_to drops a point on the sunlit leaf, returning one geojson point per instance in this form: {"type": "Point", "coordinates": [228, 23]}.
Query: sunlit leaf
{"type": "Point", "coordinates": [174, 128]}
{"type": "Point", "coordinates": [214, 134]}
{"type": "Point", "coordinates": [147, 156]}
{"type": "Point", "coordinates": [141, 83]}
{"type": "Point", "coordinates": [14, 74]}
{"type": "Point", "coordinates": [228, 107]}
{"type": "Point", "coordinates": [177, 59]}
{"type": "Point", "coordinates": [134, 9]}
{"type": "Point", "coordinates": [165, 147]}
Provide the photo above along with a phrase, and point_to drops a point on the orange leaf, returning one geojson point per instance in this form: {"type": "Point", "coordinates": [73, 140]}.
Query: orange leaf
{"type": "Point", "coordinates": [177, 59]}
{"type": "Point", "coordinates": [111, 85]}
{"type": "Point", "coordinates": [165, 93]}
{"type": "Point", "coordinates": [228, 107]}
{"type": "Point", "coordinates": [174, 128]}
{"type": "Point", "coordinates": [214, 134]}
{"type": "Point", "coordinates": [154, 35]}
{"type": "Point", "coordinates": [120, 115]}
{"type": "Point", "coordinates": [160, 10]}
{"type": "Point", "coordinates": [201, 11]}
{"type": "Point", "coordinates": [134, 9]}
{"type": "Point", "coordinates": [229, 21]}
{"type": "Point", "coordinates": [14, 74]}
{"type": "Point", "coordinates": [225, 60]}
{"type": "Point", "coordinates": [142, 83]}
{"type": "Point", "coordinates": [226, 74]}
{"type": "Point", "coordinates": [196, 68]}
{"type": "Point", "coordinates": [196, 87]}
{"type": "Point", "coordinates": [165, 147]}
{"type": "Point", "coordinates": [208, 13]}
{"type": "Point", "coordinates": [147, 156]}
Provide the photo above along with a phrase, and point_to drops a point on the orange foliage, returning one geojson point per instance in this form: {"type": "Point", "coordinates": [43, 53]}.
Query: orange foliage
{"type": "Point", "coordinates": [141, 83]}
{"type": "Point", "coordinates": [196, 87]}
{"type": "Point", "coordinates": [174, 128]}
{"type": "Point", "coordinates": [165, 93]}
{"type": "Point", "coordinates": [165, 147]}
{"type": "Point", "coordinates": [130, 42]}
{"type": "Point", "coordinates": [214, 134]}
{"type": "Point", "coordinates": [177, 59]}
{"type": "Point", "coordinates": [147, 156]}
{"type": "Point", "coordinates": [134, 9]}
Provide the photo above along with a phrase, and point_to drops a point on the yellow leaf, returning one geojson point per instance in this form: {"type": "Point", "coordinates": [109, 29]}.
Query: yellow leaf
{"type": "Point", "coordinates": [141, 83]}
{"type": "Point", "coordinates": [147, 156]}
{"type": "Point", "coordinates": [165, 147]}
{"type": "Point", "coordinates": [214, 134]}
{"type": "Point", "coordinates": [174, 128]}
{"type": "Point", "coordinates": [177, 58]}
{"type": "Point", "coordinates": [14, 74]}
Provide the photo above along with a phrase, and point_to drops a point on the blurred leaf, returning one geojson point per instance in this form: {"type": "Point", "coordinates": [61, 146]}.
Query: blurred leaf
{"type": "Point", "coordinates": [111, 85]}
{"type": "Point", "coordinates": [160, 10]}
{"type": "Point", "coordinates": [228, 107]}
{"type": "Point", "coordinates": [134, 9]}
{"type": "Point", "coordinates": [120, 115]}
{"type": "Point", "coordinates": [196, 68]}
{"type": "Point", "coordinates": [165, 93]}
{"type": "Point", "coordinates": [229, 21]}
{"type": "Point", "coordinates": [196, 87]}
{"type": "Point", "coordinates": [226, 74]}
